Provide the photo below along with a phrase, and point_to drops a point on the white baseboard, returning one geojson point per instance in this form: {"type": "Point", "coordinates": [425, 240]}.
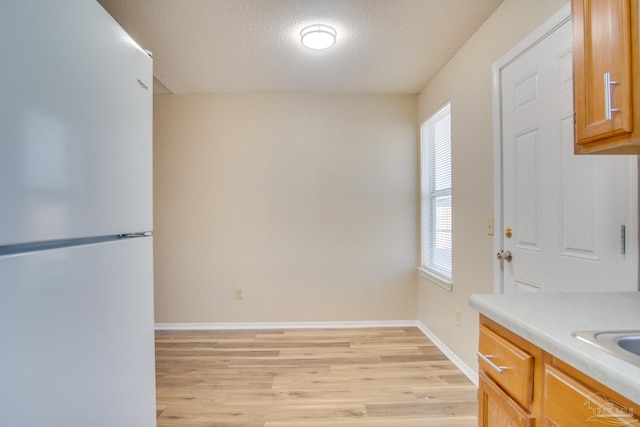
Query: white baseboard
{"type": "Point", "coordinates": [466, 370]}
{"type": "Point", "coordinates": [287, 325]}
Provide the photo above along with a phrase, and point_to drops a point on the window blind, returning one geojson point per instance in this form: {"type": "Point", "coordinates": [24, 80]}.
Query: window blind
{"type": "Point", "coordinates": [436, 193]}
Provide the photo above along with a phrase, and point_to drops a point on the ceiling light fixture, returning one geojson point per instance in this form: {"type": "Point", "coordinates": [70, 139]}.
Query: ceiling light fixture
{"type": "Point", "coordinates": [318, 36]}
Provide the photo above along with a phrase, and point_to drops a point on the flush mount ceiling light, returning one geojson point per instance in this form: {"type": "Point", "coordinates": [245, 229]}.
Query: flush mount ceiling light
{"type": "Point", "coordinates": [318, 36]}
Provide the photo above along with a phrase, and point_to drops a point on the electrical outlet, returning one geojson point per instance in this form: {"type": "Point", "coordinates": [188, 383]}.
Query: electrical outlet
{"type": "Point", "coordinates": [239, 293]}
{"type": "Point", "coordinates": [458, 318]}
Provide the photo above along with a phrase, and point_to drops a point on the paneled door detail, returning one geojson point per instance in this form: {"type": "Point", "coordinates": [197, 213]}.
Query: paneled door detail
{"type": "Point", "coordinates": [572, 219]}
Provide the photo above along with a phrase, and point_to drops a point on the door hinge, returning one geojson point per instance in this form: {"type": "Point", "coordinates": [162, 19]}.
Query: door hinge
{"type": "Point", "coordinates": [623, 235]}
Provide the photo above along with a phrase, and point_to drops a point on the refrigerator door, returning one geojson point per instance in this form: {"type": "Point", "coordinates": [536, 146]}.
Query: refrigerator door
{"type": "Point", "coordinates": [75, 124]}
{"type": "Point", "coordinates": [77, 342]}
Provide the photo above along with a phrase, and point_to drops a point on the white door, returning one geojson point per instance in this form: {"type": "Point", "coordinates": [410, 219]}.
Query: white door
{"type": "Point", "coordinates": [565, 213]}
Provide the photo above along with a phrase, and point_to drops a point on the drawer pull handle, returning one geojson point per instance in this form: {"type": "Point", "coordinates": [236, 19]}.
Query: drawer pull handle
{"type": "Point", "coordinates": [487, 359]}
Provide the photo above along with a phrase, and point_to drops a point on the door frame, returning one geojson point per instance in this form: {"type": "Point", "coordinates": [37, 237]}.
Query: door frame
{"type": "Point", "coordinates": [552, 24]}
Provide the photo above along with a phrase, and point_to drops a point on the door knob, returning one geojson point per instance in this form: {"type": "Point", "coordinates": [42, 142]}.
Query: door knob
{"type": "Point", "coordinates": [504, 256]}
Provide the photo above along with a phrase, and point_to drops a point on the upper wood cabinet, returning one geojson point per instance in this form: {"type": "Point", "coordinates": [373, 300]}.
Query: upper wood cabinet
{"type": "Point", "coordinates": [605, 76]}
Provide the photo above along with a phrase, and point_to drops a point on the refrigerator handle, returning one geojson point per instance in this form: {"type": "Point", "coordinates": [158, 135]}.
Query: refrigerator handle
{"type": "Point", "coordinates": [135, 235]}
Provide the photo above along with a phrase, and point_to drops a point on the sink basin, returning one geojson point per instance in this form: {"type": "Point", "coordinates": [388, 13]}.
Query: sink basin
{"type": "Point", "coordinates": [630, 343]}
{"type": "Point", "coordinates": [623, 344]}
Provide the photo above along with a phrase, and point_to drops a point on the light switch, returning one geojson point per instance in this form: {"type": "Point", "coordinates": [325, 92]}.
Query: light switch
{"type": "Point", "coordinates": [490, 226]}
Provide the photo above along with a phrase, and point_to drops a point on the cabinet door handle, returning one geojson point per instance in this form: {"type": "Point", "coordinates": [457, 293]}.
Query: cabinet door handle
{"type": "Point", "coordinates": [607, 96]}
{"type": "Point", "coordinates": [487, 359]}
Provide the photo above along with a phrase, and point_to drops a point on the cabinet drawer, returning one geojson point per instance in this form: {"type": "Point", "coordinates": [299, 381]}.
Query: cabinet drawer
{"type": "Point", "coordinates": [508, 365]}
{"type": "Point", "coordinates": [568, 402]}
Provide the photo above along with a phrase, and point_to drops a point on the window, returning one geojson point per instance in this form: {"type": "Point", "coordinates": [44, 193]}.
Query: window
{"type": "Point", "coordinates": [435, 183]}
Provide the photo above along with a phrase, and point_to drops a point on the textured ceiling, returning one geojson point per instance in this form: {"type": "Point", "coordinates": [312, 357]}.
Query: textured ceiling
{"type": "Point", "coordinates": [383, 46]}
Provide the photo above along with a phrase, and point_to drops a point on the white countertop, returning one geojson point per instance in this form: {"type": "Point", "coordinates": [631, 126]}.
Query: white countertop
{"type": "Point", "coordinates": [547, 321]}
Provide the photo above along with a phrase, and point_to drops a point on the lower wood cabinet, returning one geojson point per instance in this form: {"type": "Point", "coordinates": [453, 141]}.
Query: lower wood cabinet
{"type": "Point", "coordinates": [497, 408]}
{"type": "Point", "coordinates": [523, 386]}
{"type": "Point", "coordinates": [569, 402]}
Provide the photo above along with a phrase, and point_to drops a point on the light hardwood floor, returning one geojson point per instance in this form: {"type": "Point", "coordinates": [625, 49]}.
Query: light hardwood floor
{"type": "Point", "coordinates": [370, 377]}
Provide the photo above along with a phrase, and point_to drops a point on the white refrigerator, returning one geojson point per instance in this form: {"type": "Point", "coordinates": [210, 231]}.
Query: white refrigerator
{"type": "Point", "coordinates": [76, 251]}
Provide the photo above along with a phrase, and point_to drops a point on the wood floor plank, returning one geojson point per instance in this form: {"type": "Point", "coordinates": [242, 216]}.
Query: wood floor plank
{"type": "Point", "coordinates": [391, 422]}
{"type": "Point", "coordinates": [373, 377]}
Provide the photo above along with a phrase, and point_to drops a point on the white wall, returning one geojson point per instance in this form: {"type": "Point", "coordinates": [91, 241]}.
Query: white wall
{"type": "Point", "coordinates": [467, 82]}
{"type": "Point", "coordinates": [308, 202]}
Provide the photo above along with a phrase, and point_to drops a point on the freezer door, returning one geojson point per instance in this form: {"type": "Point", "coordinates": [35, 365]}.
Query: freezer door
{"type": "Point", "coordinates": [75, 124]}
{"type": "Point", "coordinates": [78, 341]}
